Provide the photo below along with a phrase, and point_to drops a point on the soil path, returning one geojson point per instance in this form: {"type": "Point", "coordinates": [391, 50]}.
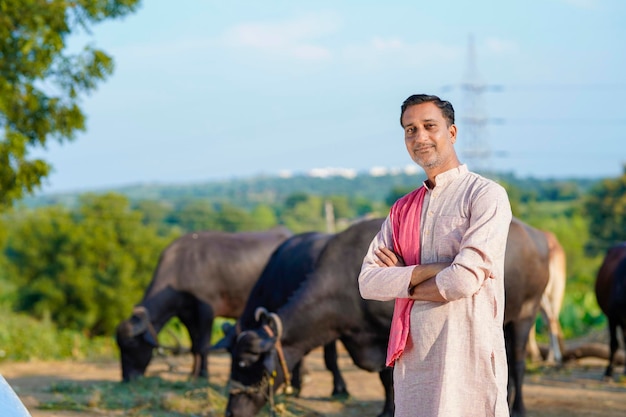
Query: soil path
{"type": "Point", "coordinates": [577, 390]}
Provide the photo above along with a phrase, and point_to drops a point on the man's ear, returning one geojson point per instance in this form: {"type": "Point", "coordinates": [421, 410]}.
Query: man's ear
{"type": "Point", "coordinates": [452, 133]}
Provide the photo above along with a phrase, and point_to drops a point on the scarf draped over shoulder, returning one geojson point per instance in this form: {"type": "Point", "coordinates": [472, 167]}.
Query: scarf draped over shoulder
{"type": "Point", "coordinates": [405, 218]}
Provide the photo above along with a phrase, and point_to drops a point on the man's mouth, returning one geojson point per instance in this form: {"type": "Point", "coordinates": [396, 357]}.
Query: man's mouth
{"type": "Point", "coordinates": [423, 149]}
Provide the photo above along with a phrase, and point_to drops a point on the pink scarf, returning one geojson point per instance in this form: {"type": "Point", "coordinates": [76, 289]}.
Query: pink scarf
{"type": "Point", "coordinates": [405, 217]}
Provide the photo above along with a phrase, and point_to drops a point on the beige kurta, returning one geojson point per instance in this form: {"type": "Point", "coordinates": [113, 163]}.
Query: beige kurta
{"type": "Point", "coordinates": [454, 363]}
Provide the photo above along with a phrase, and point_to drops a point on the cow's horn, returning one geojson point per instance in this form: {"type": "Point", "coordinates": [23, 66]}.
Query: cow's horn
{"type": "Point", "coordinates": [259, 312]}
{"type": "Point", "coordinates": [278, 323]}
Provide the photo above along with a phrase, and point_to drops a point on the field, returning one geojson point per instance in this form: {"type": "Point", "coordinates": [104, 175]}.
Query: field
{"type": "Point", "coordinates": [89, 389]}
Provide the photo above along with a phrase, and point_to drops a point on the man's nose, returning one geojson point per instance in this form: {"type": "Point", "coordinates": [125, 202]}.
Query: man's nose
{"type": "Point", "coordinates": [419, 136]}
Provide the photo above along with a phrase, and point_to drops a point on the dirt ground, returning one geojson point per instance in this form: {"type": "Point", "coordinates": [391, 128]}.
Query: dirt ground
{"type": "Point", "coordinates": [577, 390]}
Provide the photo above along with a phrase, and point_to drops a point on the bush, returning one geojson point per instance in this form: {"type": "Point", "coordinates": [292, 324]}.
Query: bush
{"type": "Point", "coordinates": [25, 338]}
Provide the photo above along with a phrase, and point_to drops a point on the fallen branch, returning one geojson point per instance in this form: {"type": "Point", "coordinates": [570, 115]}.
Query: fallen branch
{"type": "Point", "coordinates": [592, 350]}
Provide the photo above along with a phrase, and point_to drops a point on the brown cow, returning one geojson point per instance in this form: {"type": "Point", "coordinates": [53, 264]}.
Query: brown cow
{"type": "Point", "coordinates": [526, 274]}
{"type": "Point", "coordinates": [611, 296]}
{"type": "Point", "coordinates": [551, 303]}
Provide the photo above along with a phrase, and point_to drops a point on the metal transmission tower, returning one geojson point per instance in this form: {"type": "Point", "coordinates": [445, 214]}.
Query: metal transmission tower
{"type": "Point", "coordinates": [473, 139]}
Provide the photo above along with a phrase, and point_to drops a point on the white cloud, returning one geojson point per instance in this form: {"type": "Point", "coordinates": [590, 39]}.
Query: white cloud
{"type": "Point", "coordinates": [299, 38]}
{"type": "Point", "coordinates": [500, 46]}
{"type": "Point", "coordinates": [429, 49]}
{"type": "Point", "coordinates": [583, 4]}
{"type": "Point", "coordinates": [394, 51]}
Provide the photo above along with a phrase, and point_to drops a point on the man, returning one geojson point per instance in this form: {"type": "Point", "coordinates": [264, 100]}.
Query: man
{"type": "Point", "coordinates": [440, 256]}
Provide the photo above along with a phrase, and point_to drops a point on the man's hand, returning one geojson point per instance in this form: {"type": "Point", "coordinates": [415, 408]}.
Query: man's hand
{"type": "Point", "coordinates": [387, 257]}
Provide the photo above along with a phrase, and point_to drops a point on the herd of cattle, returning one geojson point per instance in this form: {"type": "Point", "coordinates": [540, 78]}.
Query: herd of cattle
{"type": "Point", "coordinates": [292, 293]}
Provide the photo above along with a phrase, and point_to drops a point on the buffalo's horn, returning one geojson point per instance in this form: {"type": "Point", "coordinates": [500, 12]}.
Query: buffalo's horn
{"type": "Point", "coordinates": [259, 312]}
{"type": "Point", "coordinates": [242, 334]}
{"type": "Point", "coordinates": [278, 323]}
{"type": "Point", "coordinates": [142, 314]}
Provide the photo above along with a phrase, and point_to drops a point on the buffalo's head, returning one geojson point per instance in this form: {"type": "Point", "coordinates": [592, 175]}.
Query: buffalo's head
{"type": "Point", "coordinates": [253, 365]}
{"type": "Point", "coordinates": [136, 343]}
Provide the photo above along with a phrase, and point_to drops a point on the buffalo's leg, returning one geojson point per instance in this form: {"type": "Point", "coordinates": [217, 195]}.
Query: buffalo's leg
{"type": "Point", "coordinates": [613, 345]}
{"type": "Point", "coordinates": [516, 337]}
{"type": "Point", "coordinates": [199, 323]}
{"type": "Point", "coordinates": [331, 361]}
{"type": "Point", "coordinates": [623, 327]}
{"type": "Point", "coordinates": [386, 377]}
{"type": "Point", "coordinates": [509, 339]}
{"type": "Point", "coordinates": [296, 378]}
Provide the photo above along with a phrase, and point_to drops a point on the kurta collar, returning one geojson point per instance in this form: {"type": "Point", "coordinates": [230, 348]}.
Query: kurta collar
{"type": "Point", "coordinates": [448, 176]}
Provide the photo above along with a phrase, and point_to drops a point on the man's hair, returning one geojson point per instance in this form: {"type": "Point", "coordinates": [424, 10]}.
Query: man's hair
{"type": "Point", "coordinates": [445, 106]}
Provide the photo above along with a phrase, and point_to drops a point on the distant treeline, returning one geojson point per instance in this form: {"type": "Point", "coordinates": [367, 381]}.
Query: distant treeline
{"type": "Point", "coordinates": [248, 192]}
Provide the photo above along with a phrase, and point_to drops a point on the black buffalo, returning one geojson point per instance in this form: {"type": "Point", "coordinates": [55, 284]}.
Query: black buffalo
{"type": "Point", "coordinates": [199, 276]}
{"type": "Point", "coordinates": [611, 296]}
{"type": "Point", "coordinates": [287, 269]}
{"type": "Point", "coordinates": [328, 306]}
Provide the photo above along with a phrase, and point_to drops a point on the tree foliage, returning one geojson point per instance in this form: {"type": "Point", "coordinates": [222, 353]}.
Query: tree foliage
{"type": "Point", "coordinates": [84, 268]}
{"type": "Point", "coordinates": [41, 82]}
{"type": "Point", "coordinates": [304, 213]}
{"type": "Point", "coordinates": [606, 209]}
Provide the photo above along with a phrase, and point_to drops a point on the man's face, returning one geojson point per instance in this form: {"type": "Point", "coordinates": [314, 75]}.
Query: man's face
{"type": "Point", "coordinates": [428, 138]}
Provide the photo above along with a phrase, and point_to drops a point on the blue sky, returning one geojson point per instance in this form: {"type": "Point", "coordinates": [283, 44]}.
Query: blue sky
{"type": "Point", "coordinates": [212, 90]}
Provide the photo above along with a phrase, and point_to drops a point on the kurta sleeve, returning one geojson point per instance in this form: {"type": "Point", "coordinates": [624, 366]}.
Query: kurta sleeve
{"type": "Point", "coordinates": [483, 243]}
{"type": "Point", "coordinates": [383, 283]}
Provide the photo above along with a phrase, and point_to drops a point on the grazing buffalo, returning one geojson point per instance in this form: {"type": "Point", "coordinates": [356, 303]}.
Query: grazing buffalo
{"type": "Point", "coordinates": [611, 296]}
{"type": "Point", "coordinates": [199, 276]}
{"type": "Point", "coordinates": [287, 269]}
{"type": "Point", "coordinates": [551, 303]}
{"type": "Point", "coordinates": [328, 306]}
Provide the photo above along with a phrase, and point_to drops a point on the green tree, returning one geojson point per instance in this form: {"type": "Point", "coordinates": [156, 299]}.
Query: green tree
{"type": "Point", "coordinates": [515, 197]}
{"type": "Point", "coordinates": [263, 217]}
{"type": "Point", "coordinates": [194, 215]}
{"type": "Point", "coordinates": [304, 213]}
{"type": "Point", "coordinates": [84, 268]}
{"type": "Point", "coordinates": [342, 207]}
{"type": "Point", "coordinates": [605, 207]}
{"type": "Point", "coordinates": [396, 193]}
{"type": "Point", "coordinates": [234, 219]}
{"type": "Point", "coordinates": [41, 82]}
{"type": "Point", "coordinates": [154, 214]}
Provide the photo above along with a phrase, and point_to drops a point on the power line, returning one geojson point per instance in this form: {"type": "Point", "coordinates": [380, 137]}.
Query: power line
{"type": "Point", "coordinates": [558, 121]}
{"type": "Point", "coordinates": [498, 88]}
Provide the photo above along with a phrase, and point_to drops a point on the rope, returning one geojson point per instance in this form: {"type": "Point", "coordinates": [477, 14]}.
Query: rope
{"type": "Point", "coordinates": [268, 379]}
{"type": "Point", "coordinates": [283, 363]}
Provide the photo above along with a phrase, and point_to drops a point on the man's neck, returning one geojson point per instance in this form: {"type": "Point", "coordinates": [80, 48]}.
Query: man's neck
{"type": "Point", "coordinates": [432, 174]}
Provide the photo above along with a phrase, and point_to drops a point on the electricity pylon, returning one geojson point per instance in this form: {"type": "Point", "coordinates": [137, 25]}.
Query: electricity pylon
{"type": "Point", "coordinates": [473, 142]}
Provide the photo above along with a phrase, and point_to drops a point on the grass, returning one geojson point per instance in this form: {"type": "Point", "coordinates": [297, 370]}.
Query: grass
{"type": "Point", "coordinates": [146, 397]}
{"type": "Point", "coordinates": [152, 396]}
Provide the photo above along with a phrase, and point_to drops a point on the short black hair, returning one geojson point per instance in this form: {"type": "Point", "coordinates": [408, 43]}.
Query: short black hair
{"type": "Point", "coordinates": [445, 106]}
